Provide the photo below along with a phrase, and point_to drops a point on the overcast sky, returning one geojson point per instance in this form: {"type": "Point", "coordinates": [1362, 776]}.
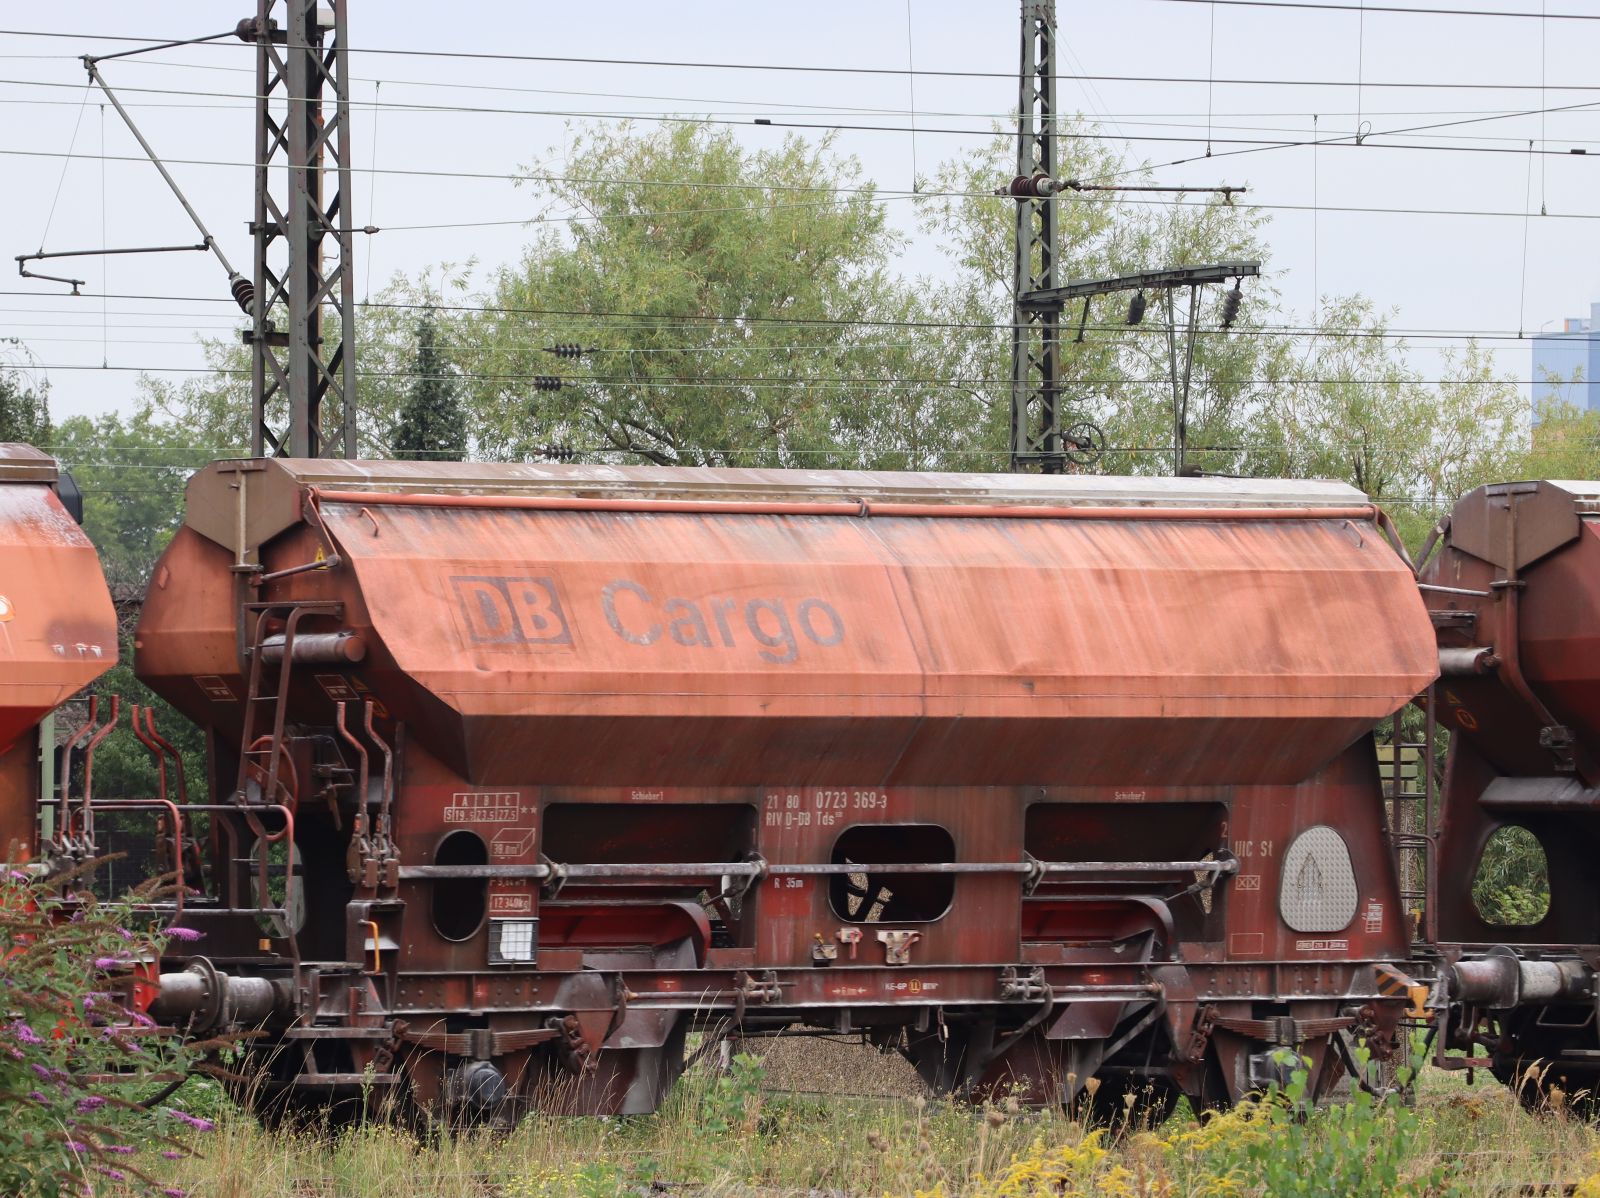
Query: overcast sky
{"type": "Point", "coordinates": [1498, 274]}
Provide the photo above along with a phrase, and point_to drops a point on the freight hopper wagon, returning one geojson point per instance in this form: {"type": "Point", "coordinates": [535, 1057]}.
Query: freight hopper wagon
{"type": "Point", "coordinates": [58, 633]}
{"type": "Point", "coordinates": [1513, 593]}
{"type": "Point", "coordinates": [535, 770]}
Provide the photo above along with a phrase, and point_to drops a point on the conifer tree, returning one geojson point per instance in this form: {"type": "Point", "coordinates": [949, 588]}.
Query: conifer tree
{"type": "Point", "coordinates": [432, 426]}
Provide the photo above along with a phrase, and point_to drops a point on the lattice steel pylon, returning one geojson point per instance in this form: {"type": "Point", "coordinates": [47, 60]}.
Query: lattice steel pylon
{"type": "Point", "coordinates": [303, 256]}
{"type": "Point", "coordinates": [1035, 363]}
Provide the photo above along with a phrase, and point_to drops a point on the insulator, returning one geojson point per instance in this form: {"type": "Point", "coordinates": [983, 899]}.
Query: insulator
{"type": "Point", "coordinates": [1036, 186]}
{"type": "Point", "coordinates": [546, 382]}
{"type": "Point", "coordinates": [1230, 305]}
{"type": "Point", "coordinates": [1136, 308]}
{"type": "Point", "coordinates": [244, 292]}
{"type": "Point", "coordinates": [558, 452]}
{"type": "Point", "coordinates": [567, 349]}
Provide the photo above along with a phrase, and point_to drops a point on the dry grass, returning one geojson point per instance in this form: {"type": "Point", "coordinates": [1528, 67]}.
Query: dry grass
{"type": "Point", "coordinates": [751, 1134]}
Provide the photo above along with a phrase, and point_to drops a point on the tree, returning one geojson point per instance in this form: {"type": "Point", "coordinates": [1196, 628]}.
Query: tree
{"type": "Point", "coordinates": [1114, 375]}
{"type": "Point", "coordinates": [751, 280]}
{"type": "Point", "coordinates": [742, 307]}
{"type": "Point", "coordinates": [432, 425]}
{"type": "Point", "coordinates": [1565, 443]}
{"type": "Point", "coordinates": [215, 407]}
{"type": "Point", "coordinates": [1352, 407]}
{"type": "Point", "coordinates": [24, 406]}
{"type": "Point", "coordinates": [132, 472]}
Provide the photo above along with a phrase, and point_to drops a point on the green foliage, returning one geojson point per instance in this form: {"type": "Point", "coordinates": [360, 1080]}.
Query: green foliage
{"type": "Point", "coordinates": [1282, 1145]}
{"type": "Point", "coordinates": [24, 407]}
{"type": "Point", "coordinates": [1115, 375]}
{"type": "Point", "coordinates": [432, 425]}
{"type": "Point", "coordinates": [214, 409]}
{"type": "Point", "coordinates": [1512, 885]}
{"type": "Point", "coordinates": [592, 1179]}
{"type": "Point", "coordinates": [687, 222]}
{"type": "Point", "coordinates": [1512, 906]}
{"type": "Point", "coordinates": [132, 471]}
{"type": "Point", "coordinates": [1352, 407]}
{"type": "Point", "coordinates": [67, 1027]}
{"type": "Point", "coordinates": [1565, 443]}
{"type": "Point", "coordinates": [732, 1103]}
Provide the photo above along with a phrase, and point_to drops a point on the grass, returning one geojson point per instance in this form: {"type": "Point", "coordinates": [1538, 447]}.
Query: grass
{"type": "Point", "coordinates": [748, 1131]}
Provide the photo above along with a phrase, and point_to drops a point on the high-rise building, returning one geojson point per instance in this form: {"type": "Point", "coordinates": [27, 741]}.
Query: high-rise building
{"type": "Point", "coordinates": [1566, 364]}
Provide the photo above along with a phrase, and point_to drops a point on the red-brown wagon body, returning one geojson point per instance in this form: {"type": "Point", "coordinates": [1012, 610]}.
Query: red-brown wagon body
{"type": "Point", "coordinates": [1035, 779]}
{"type": "Point", "coordinates": [1513, 593]}
{"type": "Point", "coordinates": [58, 631]}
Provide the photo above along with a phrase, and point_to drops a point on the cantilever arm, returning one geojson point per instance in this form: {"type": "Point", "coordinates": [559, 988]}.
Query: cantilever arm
{"type": "Point", "coordinates": [210, 242]}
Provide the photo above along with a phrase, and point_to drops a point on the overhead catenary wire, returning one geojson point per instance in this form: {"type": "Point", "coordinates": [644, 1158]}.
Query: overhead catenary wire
{"type": "Point", "coordinates": [50, 217]}
{"type": "Point", "coordinates": [1408, 10]}
{"type": "Point", "coordinates": [881, 195]}
{"type": "Point", "coordinates": [238, 101]}
{"type": "Point", "coordinates": [1478, 116]}
{"type": "Point", "coordinates": [699, 319]}
{"type": "Point", "coordinates": [532, 346]}
{"type": "Point", "coordinates": [1358, 140]}
{"type": "Point", "coordinates": [1520, 335]}
{"type": "Point", "coordinates": [815, 68]}
{"type": "Point", "coordinates": [682, 382]}
{"type": "Point", "coordinates": [986, 132]}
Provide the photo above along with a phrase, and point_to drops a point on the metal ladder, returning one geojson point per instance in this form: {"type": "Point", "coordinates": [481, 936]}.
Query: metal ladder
{"type": "Point", "coordinates": [264, 749]}
{"type": "Point", "coordinates": [1405, 768]}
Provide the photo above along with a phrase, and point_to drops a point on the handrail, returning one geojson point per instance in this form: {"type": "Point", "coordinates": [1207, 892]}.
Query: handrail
{"type": "Point", "coordinates": [94, 742]}
{"type": "Point", "coordinates": [839, 508]}
{"type": "Point", "coordinates": [761, 869]}
{"type": "Point", "coordinates": [177, 839]}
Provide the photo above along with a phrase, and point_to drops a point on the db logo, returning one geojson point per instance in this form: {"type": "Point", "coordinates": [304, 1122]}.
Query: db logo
{"type": "Point", "coordinates": [6, 610]}
{"type": "Point", "coordinates": [511, 611]}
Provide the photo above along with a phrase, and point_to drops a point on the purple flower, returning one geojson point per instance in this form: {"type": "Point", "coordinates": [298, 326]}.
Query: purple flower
{"type": "Point", "coordinates": [121, 1149]}
{"type": "Point", "coordinates": [188, 934]}
{"type": "Point", "coordinates": [92, 1103]}
{"type": "Point", "coordinates": [19, 875]}
{"type": "Point", "coordinates": [77, 1146]}
{"type": "Point", "coordinates": [175, 1192]}
{"type": "Point", "coordinates": [113, 1174]}
{"type": "Point", "coordinates": [41, 1070]}
{"type": "Point", "coordinates": [193, 1121]}
{"type": "Point", "coordinates": [124, 933]}
{"type": "Point", "coordinates": [24, 1033]}
{"type": "Point", "coordinates": [38, 1096]}
{"type": "Point", "coordinates": [109, 962]}
{"type": "Point", "coordinates": [172, 1156]}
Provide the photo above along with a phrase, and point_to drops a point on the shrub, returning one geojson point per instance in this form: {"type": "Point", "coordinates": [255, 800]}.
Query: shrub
{"type": "Point", "coordinates": [78, 1061]}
